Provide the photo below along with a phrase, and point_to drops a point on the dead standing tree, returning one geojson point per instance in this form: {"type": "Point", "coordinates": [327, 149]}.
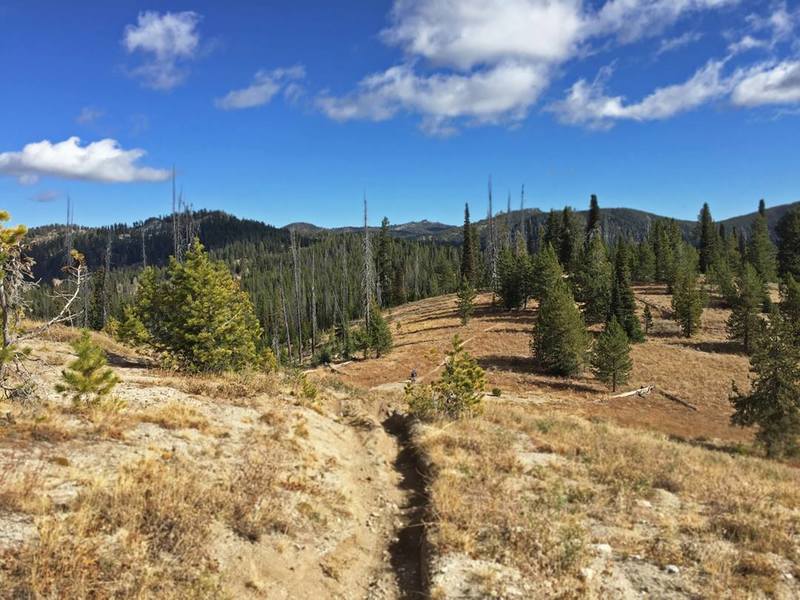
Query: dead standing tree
{"type": "Point", "coordinates": [368, 281]}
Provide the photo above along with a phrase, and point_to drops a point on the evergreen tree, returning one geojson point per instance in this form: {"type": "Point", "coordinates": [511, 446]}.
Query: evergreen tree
{"type": "Point", "coordinates": [552, 230]}
{"type": "Point", "coordinates": [511, 279]}
{"type": "Point", "coordinates": [467, 250]}
{"type": "Point", "coordinates": [706, 236]}
{"type": "Point", "coordinates": [645, 270]}
{"type": "Point", "coordinates": [688, 302]}
{"type": "Point", "coordinates": [546, 272]}
{"type": "Point", "coordinates": [622, 304]}
{"type": "Point", "coordinates": [611, 360]}
{"type": "Point", "coordinates": [569, 244]}
{"type": "Point", "coordinates": [87, 379]}
{"type": "Point", "coordinates": [761, 251]}
{"type": "Point", "coordinates": [466, 301]}
{"type": "Point", "coordinates": [130, 329]}
{"type": "Point", "coordinates": [744, 321]}
{"type": "Point", "coordinates": [648, 319]}
{"type": "Point", "coordinates": [197, 316]}
{"type": "Point", "coordinates": [383, 259]}
{"type": "Point", "coordinates": [593, 281]}
{"type": "Point", "coordinates": [458, 393]}
{"type": "Point", "coordinates": [790, 303]}
{"type": "Point", "coordinates": [788, 231]}
{"type": "Point", "coordinates": [560, 340]}
{"type": "Point", "coordinates": [379, 335]}
{"type": "Point", "coordinates": [773, 403]}
{"type": "Point", "coordinates": [592, 220]}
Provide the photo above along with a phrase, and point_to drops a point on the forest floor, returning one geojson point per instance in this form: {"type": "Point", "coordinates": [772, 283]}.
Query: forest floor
{"type": "Point", "coordinates": [260, 486]}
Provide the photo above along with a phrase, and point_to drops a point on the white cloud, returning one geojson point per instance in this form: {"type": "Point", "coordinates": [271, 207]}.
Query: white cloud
{"type": "Point", "coordinates": [492, 59]}
{"type": "Point", "coordinates": [264, 86]}
{"type": "Point", "coordinates": [769, 84]}
{"type": "Point", "coordinates": [675, 43]}
{"type": "Point", "coordinates": [467, 33]}
{"type": "Point", "coordinates": [442, 97]}
{"type": "Point", "coordinates": [748, 42]}
{"type": "Point", "coordinates": [103, 161]}
{"type": "Point", "coordinates": [631, 20]}
{"type": "Point", "coordinates": [587, 104]}
{"type": "Point", "coordinates": [89, 115]}
{"type": "Point", "coordinates": [166, 40]}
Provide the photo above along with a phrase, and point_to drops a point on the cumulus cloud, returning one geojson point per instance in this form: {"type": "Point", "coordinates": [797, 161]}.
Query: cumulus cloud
{"type": "Point", "coordinates": [441, 97]}
{"type": "Point", "coordinates": [769, 84]}
{"type": "Point", "coordinates": [103, 161]}
{"type": "Point", "coordinates": [263, 88]}
{"type": "Point", "coordinates": [467, 33]}
{"type": "Point", "coordinates": [166, 41]}
{"type": "Point", "coordinates": [488, 61]}
{"type": "Point", "coordinates": [587, 103]}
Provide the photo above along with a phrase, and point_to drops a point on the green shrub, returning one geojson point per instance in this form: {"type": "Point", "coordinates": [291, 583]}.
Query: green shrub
{"type": "Point", "coordinates": [87, 379]}
{"type": "Point", "coordinates": [458, 393]}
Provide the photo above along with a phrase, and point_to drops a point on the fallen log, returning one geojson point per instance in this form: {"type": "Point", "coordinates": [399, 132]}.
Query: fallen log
{"type": "Point", "coordinates": [337, 368]}
{"type": "Point", "coordinates": [643, 391]}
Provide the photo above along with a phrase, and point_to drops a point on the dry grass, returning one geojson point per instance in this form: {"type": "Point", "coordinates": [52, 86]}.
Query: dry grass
{"type": "Point", "coordinates": [735, 521]}
{"type": "Point", "coordinates": [256, 505]}
{"type": "Point", "coordinates": [144, 536]}
{"type": "Point", "coordinates": [174, 415]}
{"type": "Point", "coordinates": [699, 370]}
{"type": "Point", "coordinates": [236, 388]}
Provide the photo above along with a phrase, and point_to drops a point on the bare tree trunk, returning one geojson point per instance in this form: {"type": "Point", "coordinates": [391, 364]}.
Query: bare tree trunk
{"type": "Point", "coordinates": [285, 315]}
{"type": "Point", "coordinates": [369, 270]}
{"type": "Point", "coordinates": [313, 304]}
{"type": "Point", "coordinates": [297, 295]}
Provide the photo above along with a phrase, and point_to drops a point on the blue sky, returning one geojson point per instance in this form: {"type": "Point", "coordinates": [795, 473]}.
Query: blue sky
{"type": "Point", "coordinates": [290, 111]}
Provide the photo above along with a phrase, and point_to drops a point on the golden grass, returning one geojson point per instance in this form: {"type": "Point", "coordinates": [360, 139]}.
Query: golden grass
{"type": "Point", "coordinates": [174, 415]}
{"type": "Point", "coordinates": [236, 388]}
{"type": "Point", "coordinates": [146, 535]}
{"type": "Point", "coordinates": [490, 504]}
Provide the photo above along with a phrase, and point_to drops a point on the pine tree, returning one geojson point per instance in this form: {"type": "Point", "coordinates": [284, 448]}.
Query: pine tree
{"type": "Point", "coordinates": [560, 340]}
{"type": "Point", "coordinates": [197, 316]}
{"type": "Point", "coordinates": [773, 403]}
{"type": "Point", "coordinates": [761, 252]}
{"type": "Point", "coordinates": [131, 330]}
{"type": "Point", "coordinates": [97, 307]}
{"type": "Point", "coordinates": [458, 393]}
{"type": "Point", "coordinates": [510, 279]}
{"type": "Point", "coordinates": [592, 220]}
{"type": "Point", "coordinates": [611, 360]}
{"type": "Point", "coordinates": [568, 244]}
{"type": "Point", "coordinates": [378, 333]}
{"type": "Point", "coordinates": [546, 272]}
{"type": "Point", "coordinates": [383, 258]}
{"type": "Point", "coordinates": [467, 257]}
{"type": "Point", "coordinates": [788, 231]}
{"type": "Point", "coordinates": [688, 302]}
{"type": "Point", "coordinates": [552, 230]}
{"type": "Point", "coordinates": [466, 301]}
{"type": "Point", "coordinates": [645, 270]}
{"type": "Point", "coordinates": [593, 281]}
{"type": "Point", "coordinates": [622, 304]}
{"type": "Point", "coordinates": [790, 303]}
{"type": "Point", "coordinates": [87, 379]}
{"type": "Point", "coordinates": [706, 236]}
{"type": "Point", "coordinates": [648, 319]}
{"type": "Point", "coordinates": [744, 321]}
